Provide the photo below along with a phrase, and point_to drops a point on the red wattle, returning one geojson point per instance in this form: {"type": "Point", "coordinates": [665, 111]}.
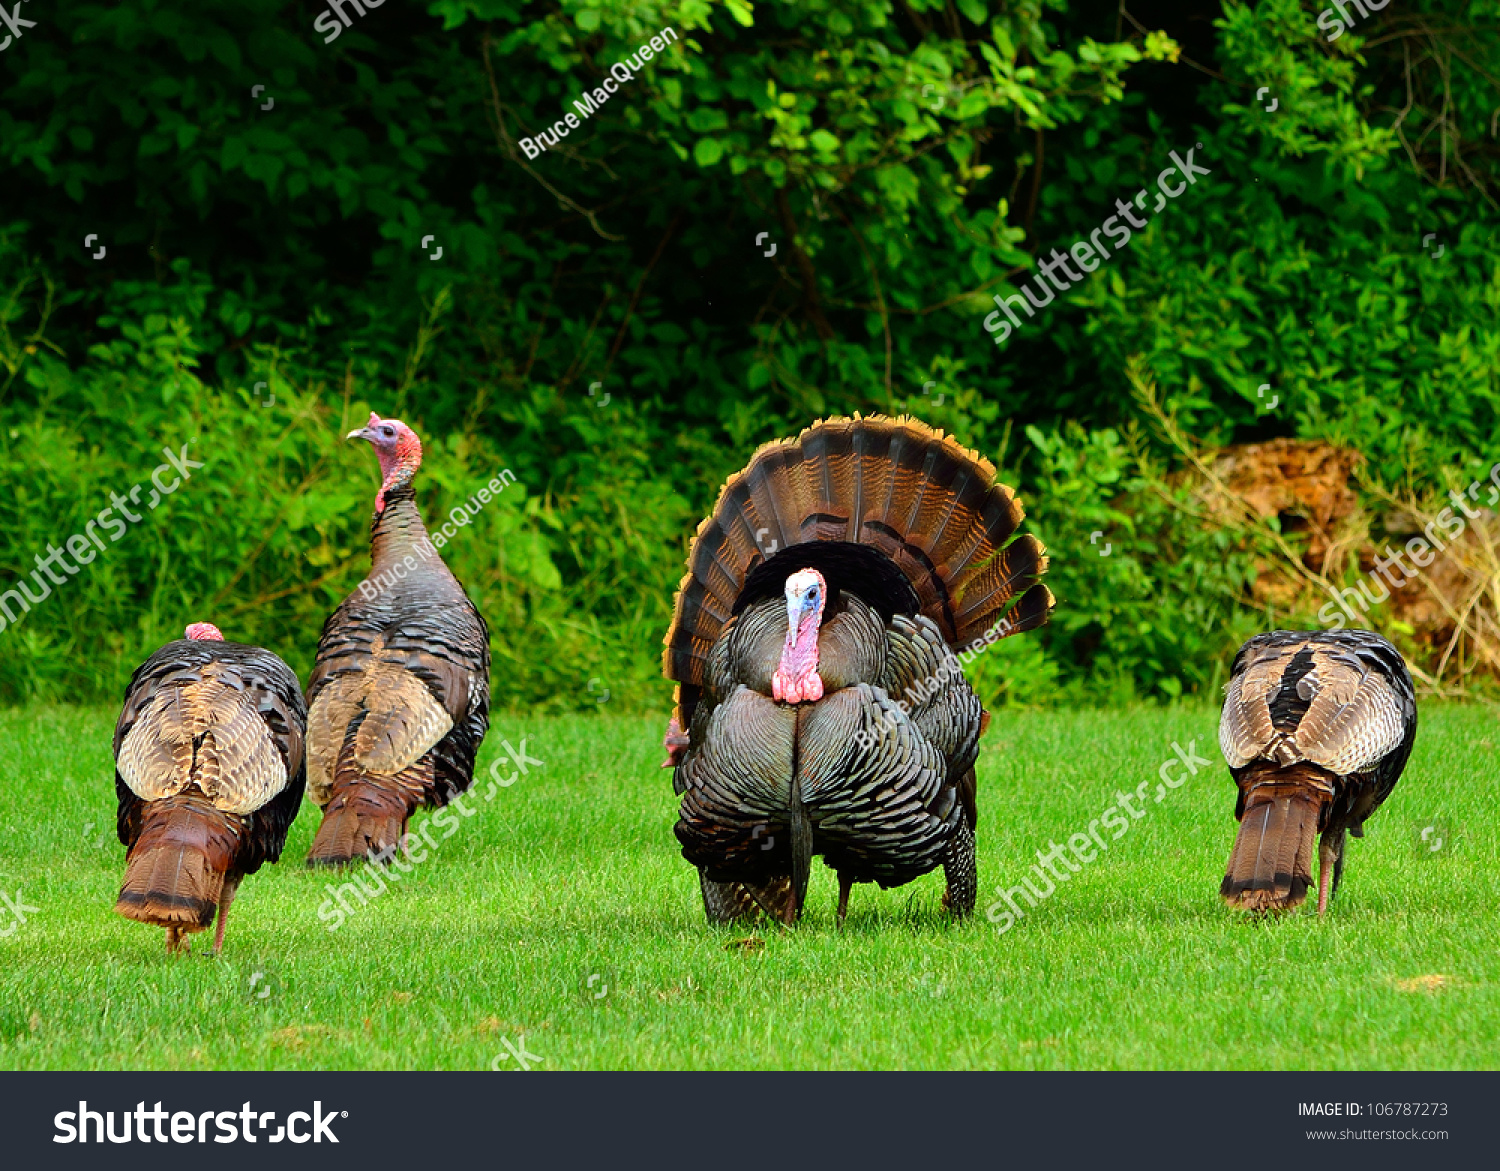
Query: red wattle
{"type": "Point", "coordinates": [796, 679]}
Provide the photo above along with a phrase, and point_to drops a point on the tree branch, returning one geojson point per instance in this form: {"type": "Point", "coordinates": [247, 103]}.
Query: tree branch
{"type": "Point", "coordinates": [635, 297]}
{"type": "Point", "coordinates": [508, 145]}
{"type": "Point", "coordinates": [805, 267]}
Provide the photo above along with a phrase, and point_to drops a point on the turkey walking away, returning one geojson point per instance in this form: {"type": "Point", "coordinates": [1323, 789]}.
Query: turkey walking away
{"type": "Point", "coordinates": [1317, 726]}
{"type": "Point", "coordinates": [820, 708]}
{"type": "Point", "coordinates": [209, 772]}
{"type": "Point", "coordinates": [399, 699]}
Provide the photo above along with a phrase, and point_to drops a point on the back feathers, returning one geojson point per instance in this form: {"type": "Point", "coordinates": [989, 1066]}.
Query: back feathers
{"type": "Point", "coordinates": [209, 775]}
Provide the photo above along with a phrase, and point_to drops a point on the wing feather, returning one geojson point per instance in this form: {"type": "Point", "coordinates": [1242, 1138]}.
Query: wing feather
{"type": "Point", "coordinates": [1354, 718]}
{"type": "Point", "coordinates": [1322, 698]}
{"type": "Point", "coordinates": [206, 730]}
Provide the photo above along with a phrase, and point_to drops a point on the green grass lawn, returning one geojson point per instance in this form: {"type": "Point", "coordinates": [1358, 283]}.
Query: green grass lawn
{"type": "Point", "coordinates": [573, 872]}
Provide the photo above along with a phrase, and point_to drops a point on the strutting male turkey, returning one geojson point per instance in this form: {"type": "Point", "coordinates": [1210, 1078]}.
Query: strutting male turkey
{"type": "Point", "coordinates": [820, 709]}
{"type": "Point", "coordinates": [1317, 726]}
{"type": "Point", "coordinates": [209, 773]}
{"type": "Point", "coordinates": [399, 699]}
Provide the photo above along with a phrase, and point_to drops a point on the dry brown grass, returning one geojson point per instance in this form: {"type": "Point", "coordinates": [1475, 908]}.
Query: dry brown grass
{"type": "Point", "coordinates": [1446, 616]}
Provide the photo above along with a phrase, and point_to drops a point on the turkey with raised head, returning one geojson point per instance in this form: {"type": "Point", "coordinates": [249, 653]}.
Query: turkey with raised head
{"type": "Point", "coordinates": [399, 698]}
{"type": "Point", "coordinates": [209, 774]}
{"type": "Point", "coordinates": [820, 707]}
{"type": "Point", "coordinates": [1317, 726]}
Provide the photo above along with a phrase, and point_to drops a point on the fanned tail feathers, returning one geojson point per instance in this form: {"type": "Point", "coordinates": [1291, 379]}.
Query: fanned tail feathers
{"type": "Point", "coordinates": [930, 509]}
{"type": "Point", "coordinates": [1270, 867]}
{"type": "Point", "coordinates": [175, 873]}
{"type": "Point", "coordinates": [367, 812]}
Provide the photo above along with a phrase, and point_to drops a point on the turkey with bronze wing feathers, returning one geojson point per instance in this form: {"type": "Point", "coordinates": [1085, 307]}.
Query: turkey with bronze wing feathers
{"type": "Point", "coordinates": [209, 774]}
{"type": "Point", "coordinates": [399, 699]}
{"type": "Point", "coordinates": [1317, 726]}
{"type": "Point", "coordinates": [820, 707]}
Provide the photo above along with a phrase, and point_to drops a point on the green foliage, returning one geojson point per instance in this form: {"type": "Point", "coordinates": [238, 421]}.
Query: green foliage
{"type": "Point", "coordinates": [1276, 45]}
{"type": "Point", "coordinates": [1152, 599]}
{"type": "Point", "coordinates": [603, 322]}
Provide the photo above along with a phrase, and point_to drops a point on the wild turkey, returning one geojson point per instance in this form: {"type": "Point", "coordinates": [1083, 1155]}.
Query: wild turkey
{"type": "Point", "coordinates": [1316, 729]}
{"type": "Point", "coordinates": [399, 698]}
{"type": "Point", "coordinates": [812, 643]}
{"type": "Point", "coordinates": [209, 773]}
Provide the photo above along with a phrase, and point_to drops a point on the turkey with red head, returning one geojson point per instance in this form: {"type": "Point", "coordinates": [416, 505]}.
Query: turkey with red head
{"type": "Point", "coordinates": [399, 698]}
{"type": "Point", "coordinates": [1316, 729]}
{"type": "Point", "coordinates": [820, 707]}
{"type": "Point", "coordinates": [209, 773]}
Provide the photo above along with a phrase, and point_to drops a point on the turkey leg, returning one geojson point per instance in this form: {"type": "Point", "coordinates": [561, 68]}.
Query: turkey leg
{"type": "Point", "coordinates": [1327, 859]}
{"type": "Point", "coordinates": [225, 898]}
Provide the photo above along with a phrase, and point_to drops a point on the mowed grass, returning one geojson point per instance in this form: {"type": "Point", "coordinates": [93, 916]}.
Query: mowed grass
{"type": "Point", "coordinates": [573, 872]}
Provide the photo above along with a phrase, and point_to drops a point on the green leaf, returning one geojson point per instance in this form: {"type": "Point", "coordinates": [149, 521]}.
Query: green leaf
{"type": "Point", "coordinates": [741, 11]}
{"type": "Point", "coordinates": [823, 142]}
{"type": "Point", "coordinates": [233, 153]}
{"type": "Point", "coordinates": [706, 119]}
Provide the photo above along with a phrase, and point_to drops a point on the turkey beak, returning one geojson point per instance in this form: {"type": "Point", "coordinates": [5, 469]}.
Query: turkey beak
{"type": "Point", "coordinates": [794, 608]}
{"type": "Point", "coordinates": [366, 432]}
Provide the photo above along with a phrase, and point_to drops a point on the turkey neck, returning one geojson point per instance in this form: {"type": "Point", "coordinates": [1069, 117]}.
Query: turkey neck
{"type": "Point", "coordinates": [397, 532]}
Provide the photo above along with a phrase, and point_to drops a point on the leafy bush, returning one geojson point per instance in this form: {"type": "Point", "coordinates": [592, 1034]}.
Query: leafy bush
{"type": "Point", "coordinates": [604, 322]}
